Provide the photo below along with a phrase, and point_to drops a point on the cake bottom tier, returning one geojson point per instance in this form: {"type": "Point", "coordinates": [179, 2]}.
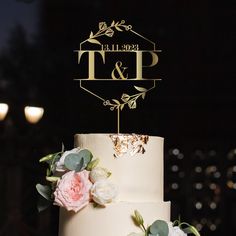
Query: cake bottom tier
{"type": "Point", "coordinates": [113, 220]}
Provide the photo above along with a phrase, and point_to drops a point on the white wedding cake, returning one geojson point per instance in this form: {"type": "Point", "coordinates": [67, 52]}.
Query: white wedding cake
{"type": "Point", "coordinates": [136, 166]}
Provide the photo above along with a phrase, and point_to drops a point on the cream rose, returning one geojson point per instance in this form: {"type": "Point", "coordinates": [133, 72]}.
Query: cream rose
{"type": "Point", "coordinates": [103, 192]}
{"type": "Point", "coordinates": [60, 167]}
{"type": "Point", "coordinates": [99, 173]}
{"type": "Point", "coordinates": [72, 191]}
{"type": "Point", "coordinates": [175, 230]}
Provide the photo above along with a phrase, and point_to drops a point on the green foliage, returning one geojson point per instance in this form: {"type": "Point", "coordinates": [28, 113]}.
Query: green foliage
{"type": "Point", "coordinates": [159, 228]}
{"type": "Point", "coordinates": [78, 161]}
{"type": "Point", "coordinates": [73, 161]}
{"type": "Point", "coordinates": [189, 229]}
{"type": "Point", "coordinates": [43, 204]}
{"type": "Point", "coordinates": [56, 157]}
{"type": "Point", "coordinates": [52, 179]}
{"type": "Point", "coordinates": [44, 191]}
{"type": "Point", "coordinates": [51, 159]}
{"type": "Point", "coordinates": [47, 158]}
{"type": "Point", "coordinates": [137, 218]}
{"type": "Point", "coordinates": [86, 155]}
{"type": "Point", "coordinates": [92, 164]}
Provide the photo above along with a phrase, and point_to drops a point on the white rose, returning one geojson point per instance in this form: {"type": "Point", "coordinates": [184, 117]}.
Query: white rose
{"type": "Point", "coordinates": [175, 230]}
{"type": "Point", "coordinates": [136, 234]}
{"type": "Point", "coordinates": [60, 167]}
{"type": "Point", "coordinates": [99, 173]}
{"type": "Point", "coordinates": [103, 192]}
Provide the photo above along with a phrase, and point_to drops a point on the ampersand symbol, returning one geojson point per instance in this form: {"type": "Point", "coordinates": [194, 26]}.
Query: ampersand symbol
{"type": "Point", "coordinates": [120, 70]}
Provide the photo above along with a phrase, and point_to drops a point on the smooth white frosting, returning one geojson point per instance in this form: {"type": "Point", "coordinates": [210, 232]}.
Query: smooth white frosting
{"type": "Point", "coordinates": [114, 220]}
{"type": "Point", "coordinates": [139, 177]}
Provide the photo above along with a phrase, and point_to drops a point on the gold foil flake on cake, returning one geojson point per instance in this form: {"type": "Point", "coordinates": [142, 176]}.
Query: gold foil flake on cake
{"type": "Point", "coordinates": [128, 144]}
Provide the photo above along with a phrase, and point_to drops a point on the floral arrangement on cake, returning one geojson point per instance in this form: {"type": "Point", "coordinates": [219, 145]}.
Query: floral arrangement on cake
{"type": "Point", "coordinates": [162, 228]}
{"type": "Point", "coordinates": [75, 179]}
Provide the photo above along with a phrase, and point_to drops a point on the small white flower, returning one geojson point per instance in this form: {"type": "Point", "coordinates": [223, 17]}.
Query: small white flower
{"type": "Point", "coordinates": [103, 192]}
{"type": "Point", "coordinates": [136, 234]}
{"type": "Point", "coordinates": [99, 173]}
{"type": "Point", "coordinates": [60, 167]}
{"type": "Point", "coordinates": [175, 230]}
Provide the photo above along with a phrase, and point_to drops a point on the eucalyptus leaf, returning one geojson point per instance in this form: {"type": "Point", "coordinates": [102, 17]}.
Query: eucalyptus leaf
{"type": "Point", "coordinates": [78, 161]}
{"type": "Point", "coordinates": [44, 191]}
{"type": "Point", "coordinates": [86, 155]}
{"type": "Point", "coordinates": [43, 204]}
{"type": "Point", "coordinates": [80, 166]}
{"type": "Point", "coordinates": [160, 228]}
{"type": "Point", "coordinates": [72, 160]}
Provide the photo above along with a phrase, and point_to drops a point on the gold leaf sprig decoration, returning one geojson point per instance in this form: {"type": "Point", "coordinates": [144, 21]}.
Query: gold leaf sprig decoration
{"type": "Point", "coordinates": [126, 99]}
{"type": "Point", "coordinates": [108, 31]}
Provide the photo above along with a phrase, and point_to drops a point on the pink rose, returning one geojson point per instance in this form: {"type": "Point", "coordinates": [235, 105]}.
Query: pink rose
{"type": "Point", "coordinates": [72, 191]}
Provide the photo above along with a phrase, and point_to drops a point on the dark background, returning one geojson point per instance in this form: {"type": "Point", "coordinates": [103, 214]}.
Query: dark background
{"type": "Point", "coordinates": [193, 107]}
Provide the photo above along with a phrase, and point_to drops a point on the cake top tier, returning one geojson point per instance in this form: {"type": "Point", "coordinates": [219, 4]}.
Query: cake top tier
{"type": "Point", "coordinates": [135, 161]}
{"type": "Point", "coordinates": [123, 143]}
{"type": "Point", "coordinates": [130, 144]}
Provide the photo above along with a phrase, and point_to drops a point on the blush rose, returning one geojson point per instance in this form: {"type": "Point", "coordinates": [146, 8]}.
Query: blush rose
{"type": "Point", "coordinates": [72, 191]}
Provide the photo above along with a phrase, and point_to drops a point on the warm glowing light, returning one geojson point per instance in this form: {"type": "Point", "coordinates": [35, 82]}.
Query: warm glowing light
{"type": "Point", "coordinates": [3, 110]}
{"type": "Point", "coordinates": [33, 114]}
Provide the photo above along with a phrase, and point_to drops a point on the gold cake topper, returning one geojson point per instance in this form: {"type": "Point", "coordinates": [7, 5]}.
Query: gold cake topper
{"type": "Point", "coordinates": [98, 48]}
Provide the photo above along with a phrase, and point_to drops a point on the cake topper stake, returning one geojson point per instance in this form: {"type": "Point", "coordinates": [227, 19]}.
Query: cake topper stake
{"type": "Point", "coordinates": [126, 99]}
